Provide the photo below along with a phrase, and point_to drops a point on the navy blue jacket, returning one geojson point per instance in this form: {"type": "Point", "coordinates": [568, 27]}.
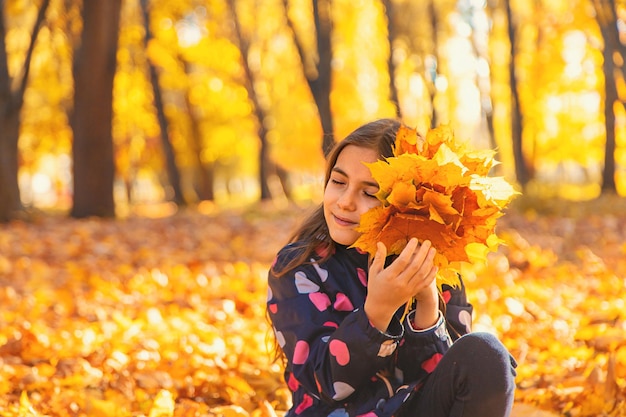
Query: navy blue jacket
{"type": "Point", "coordinates": [338, 364]}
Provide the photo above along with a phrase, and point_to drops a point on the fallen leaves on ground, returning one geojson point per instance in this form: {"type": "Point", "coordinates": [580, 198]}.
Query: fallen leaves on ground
{"type": "Point", "coordinates": [556, 295]}
{"type": "Point", "coordinates": [165, 317]}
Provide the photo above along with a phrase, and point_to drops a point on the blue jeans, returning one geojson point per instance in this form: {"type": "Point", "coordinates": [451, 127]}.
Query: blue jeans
{"type": "Point", "coordinates": [475, 378]}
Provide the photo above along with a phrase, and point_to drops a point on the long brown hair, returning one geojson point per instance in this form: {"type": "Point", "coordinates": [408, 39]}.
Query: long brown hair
{"type": "Point", "coordinates": [312, 234]}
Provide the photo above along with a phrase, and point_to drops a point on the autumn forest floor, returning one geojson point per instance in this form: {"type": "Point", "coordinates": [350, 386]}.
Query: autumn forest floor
{"type": "Point", "coordinates": [165, 316]}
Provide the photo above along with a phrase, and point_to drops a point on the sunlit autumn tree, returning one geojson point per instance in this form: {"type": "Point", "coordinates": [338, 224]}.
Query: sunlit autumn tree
{"type": "Point", "coordinates": [607, 20]}
{"type": "Point", "coordinates": [316, 63]}
{"type": "Point", "coordinates": [432, 66]}
{"type": "Point", "coordinates": [259, 109]}
{"type": "Point", "coordinates": [94, 70]}
{"type": "Point", "coordinates": [173, 172]}
{"type": "Point", "coordinates": [204, 173]}
{"type": "Point", "coordinates": [391, 63]}
{"type": "Point", "coordinates": [478, 18]}
{"type": "Point", "coordinates": [413, 30]}
{"type": "Point", "coordinates": [522, 171]}
{"type": "Point", "coordinates": [12, 89]}
{"type": "Point", "coordinates": [409, 39]}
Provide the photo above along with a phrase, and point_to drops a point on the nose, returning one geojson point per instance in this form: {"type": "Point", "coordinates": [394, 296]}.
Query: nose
{"type": "Point", "coordinates": [346, 201]}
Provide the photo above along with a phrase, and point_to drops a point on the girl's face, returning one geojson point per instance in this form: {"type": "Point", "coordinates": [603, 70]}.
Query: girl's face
{"type": "Point", "coordinates": [349, 193]}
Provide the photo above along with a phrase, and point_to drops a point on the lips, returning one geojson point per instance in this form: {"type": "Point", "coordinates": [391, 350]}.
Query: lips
{"type": "Point", "coordinates": [344, 222]}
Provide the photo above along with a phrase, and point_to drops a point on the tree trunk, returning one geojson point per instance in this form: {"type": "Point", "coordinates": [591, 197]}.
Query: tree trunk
{"type": "Point", "coordinates": [11, 102]}
{"type": "Point", "coordinates": [173, 173]}
{"type": "Point", "coordinates": [10, 201]}
{"type": "Point", "coordinates": [321, 86]}
{"type": "Point", "coordinates": [205, 174]}
{"type": "Point", "coordinates": [391, 66]}
{"type": "Point", "coordinates": [620, 48]}
{"type": "Point", "coordinates": [94, 71]}
{"type": "Point", "coordinates": [259, 111]}
{"type": "Point", "coordinates": [319, 78]}
{"type": "Point", "coordinates": [433, 70]}
{"type": "Point", "coordinates": [283, 177]}
{"type": "Point", "coordinates": [607, 21]}
{"type": "Point", "coordinates": [521, 167]}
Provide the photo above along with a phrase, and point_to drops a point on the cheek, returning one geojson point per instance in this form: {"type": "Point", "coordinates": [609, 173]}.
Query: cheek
{"type": "Point", "coordinates": [326, 203]}
{"type": "Point", "coordinates": [330, 197]}
{"type": "Point", "coordinates": [369, 203]}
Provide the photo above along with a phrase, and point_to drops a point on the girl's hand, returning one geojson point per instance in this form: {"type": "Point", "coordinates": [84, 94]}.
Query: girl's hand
{"type": "Point", "coordinates": [411, 274]}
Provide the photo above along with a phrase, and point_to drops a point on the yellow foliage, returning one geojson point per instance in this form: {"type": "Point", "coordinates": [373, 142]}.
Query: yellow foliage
{"type": "Point", "coordinates": [434, 189]}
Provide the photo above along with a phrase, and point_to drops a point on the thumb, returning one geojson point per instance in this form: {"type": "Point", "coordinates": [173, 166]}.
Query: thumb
{"type": "Point", "coordinates": [378, 263]}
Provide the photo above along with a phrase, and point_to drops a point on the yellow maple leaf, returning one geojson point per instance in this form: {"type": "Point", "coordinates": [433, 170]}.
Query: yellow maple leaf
{"type": "Point", "coordinates": [436, 189]}
{"type": "Point", "coordinates": [408, 141]}
{"type": "Point", "coordinates": [445, 156]}
{"type": "Point", "coordinates": [403, 194]}
{"type": "Point", "coordinates": [438, 136]}
{"type": "Point", "coordinates": [479, 162]}
{"type": "Point", "coordinates": [495, 190]}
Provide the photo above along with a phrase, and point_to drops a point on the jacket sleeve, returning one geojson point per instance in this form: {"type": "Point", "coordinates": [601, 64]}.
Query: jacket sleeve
{"type": "Point", "coordinates": [422, 350]}
{"type": "Point", "coordinates": [331, 347]}
{"type": "Point", "coordinates": [458, 310]}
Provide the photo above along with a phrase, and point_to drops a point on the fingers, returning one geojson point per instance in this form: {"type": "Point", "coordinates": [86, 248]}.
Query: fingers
{"type": "Point", "coordinates": [415, 262]}
{"type": "Point", "coordinates": [414, 257]}
{"type": "Point", "coordinates": [427, 277]}
{"type": "Point", "coordinates": [403, 260]}
{"type": "Point", "coordinates": [378, 263]}
{"type": "Point", "coordinates": [409, 274]}
{"type": "Point", "coordinates": [424, 260]}
{"type": "Point", "coordinates": [425, 254]}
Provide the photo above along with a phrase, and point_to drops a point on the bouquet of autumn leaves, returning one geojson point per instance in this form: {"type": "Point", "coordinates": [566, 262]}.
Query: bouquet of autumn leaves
{"type": "Point", "coordinates": [435, 189]}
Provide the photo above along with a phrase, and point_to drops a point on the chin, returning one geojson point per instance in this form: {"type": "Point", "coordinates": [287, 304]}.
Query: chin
{"type": "Point", "coordinates": [342, 239]}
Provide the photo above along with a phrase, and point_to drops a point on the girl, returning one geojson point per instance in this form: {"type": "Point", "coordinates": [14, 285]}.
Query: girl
{"type": "Point", "coordinates": [336, 314]}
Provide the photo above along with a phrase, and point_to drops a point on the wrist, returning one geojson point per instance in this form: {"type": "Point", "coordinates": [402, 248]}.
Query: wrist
{"type": "Point", "coordinates": [426, 315]}
{"type": "Point", "coordinates": [428, 296]}
{"type": "Point", "coordinates": [377, 317]}
{"type": "Point", "coordinates": [438, 321]}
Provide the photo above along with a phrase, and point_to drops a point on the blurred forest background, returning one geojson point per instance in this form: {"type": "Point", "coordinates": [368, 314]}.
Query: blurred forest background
{"type": "Point", "coordinates": [111, 104]}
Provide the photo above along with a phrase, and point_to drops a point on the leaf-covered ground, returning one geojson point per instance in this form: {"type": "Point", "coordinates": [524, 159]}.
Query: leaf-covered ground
{"type": "Point", "coordinates": [165, 317]}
